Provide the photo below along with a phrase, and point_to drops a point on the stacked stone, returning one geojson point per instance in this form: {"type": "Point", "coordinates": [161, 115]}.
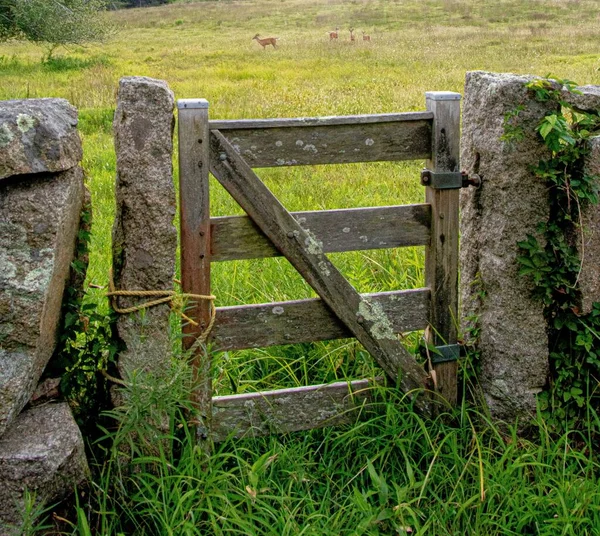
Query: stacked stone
{"type": "Point", "coordinates": [587, 242]}
{"type": "Point", "coordinates": [41, 197]}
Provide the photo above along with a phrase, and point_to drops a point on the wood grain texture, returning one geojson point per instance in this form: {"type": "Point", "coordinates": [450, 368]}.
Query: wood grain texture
{"type": "Point", "coordinates": [323, 143]}
{"type": "Point", "coordinates": [235, 124]}
{"type": "Point", "coordinates": [357, 229]}
{"type": "Point", "coordinates": [365, 319]}
{"type": "Point", "coordinates": [194, 148]}
{"type": "Point", "coordinates": [289, 410]}
{"type": "Point", "coordinates": [441, 258]}
{"type": "Point", "coordinates": [299, 321]}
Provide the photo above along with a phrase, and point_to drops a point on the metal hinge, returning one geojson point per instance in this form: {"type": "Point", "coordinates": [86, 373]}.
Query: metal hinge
{"type": "Point", "coordinates": [443, 354]}
{"type": "Point", "coordinates": [449, 180]}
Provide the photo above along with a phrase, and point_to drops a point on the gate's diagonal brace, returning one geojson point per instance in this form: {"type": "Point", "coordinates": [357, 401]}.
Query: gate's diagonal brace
{"type": "Point", "coordinates": [368, 322]}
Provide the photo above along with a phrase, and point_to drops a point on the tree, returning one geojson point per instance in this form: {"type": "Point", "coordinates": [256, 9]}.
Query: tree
{"type": "Point", "coordinates": [53, 23]}
{"type": "Point", "coordinates": [143, 3]}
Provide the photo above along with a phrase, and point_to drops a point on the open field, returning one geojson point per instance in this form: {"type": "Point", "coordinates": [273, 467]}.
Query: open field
{"type": "Point", "coordinates": [395, 471]}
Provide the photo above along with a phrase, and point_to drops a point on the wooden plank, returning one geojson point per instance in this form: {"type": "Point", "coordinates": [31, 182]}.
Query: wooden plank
{"type": "Point", "coordinates": [333, 120]}
{"type": "Point", "coordinates": [365, 319]}
{"type": "Point", "coordinates": [289, 410]}
{"type": "Point", "coordinates": [194, 149]}
{"type": "Point", "coordinates": [441, 258]}
{"type": "Point", "coordinates": [292, 322]}
{"type": "Point", "coordinates": [356, 229]}
{"type": "Point", "coordinates": [332, 143]}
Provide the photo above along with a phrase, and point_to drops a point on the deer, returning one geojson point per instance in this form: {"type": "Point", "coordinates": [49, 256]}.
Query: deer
{"type": "Point", "coordinates": [351, 30]}
{"type": "Point", "coordinates": [366, 37]}
{"type": "Point", "coordinates": [266, 41]}
{"type": "Point", "coordinates": [333, 35]}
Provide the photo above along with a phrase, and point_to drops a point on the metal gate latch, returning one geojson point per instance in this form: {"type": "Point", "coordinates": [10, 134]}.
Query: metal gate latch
{"type": "Point", "coordinates": [449, 180]}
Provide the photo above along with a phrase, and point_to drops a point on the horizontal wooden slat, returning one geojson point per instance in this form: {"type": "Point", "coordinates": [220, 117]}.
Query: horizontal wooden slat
{"type": "Point", "coordinates": [289, 410]}
{"type": "Point", "coordinates": [272, 324]}
{"type": "Point", "coordinates": [296, 142]}
{"type": "Point", "coordinates": [235, 124]}
{"type": "Point", "coordinates": [356, 229]}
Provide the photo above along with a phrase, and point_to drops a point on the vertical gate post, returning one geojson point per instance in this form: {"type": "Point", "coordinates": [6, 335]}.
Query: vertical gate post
{"type": "Point", "coordinates": [194, 151]}
{"type": "Point", "coordinates": [441, 257]}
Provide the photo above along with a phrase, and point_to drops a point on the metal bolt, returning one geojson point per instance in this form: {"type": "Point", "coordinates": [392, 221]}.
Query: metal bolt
{"type": "Point", "coordinates": [425, 177]}
{"type": "Point", "coordinates": [291, 234]}
{"type": "Point", "coordinates": [222, 157]}
{"type": "Point", "coordinates": [360, 318]}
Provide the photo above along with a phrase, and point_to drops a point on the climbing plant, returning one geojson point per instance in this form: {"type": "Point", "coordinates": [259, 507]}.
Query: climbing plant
{"type": "Point", "coordinates": [555, 266]}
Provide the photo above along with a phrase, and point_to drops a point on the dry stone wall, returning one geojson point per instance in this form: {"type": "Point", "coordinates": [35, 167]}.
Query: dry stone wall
{"type": "Point", "coordinates": [41, 197]}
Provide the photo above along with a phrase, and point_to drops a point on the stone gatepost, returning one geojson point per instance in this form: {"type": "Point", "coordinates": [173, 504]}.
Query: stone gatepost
{"type": "Point", "coordinates": [41, 197]}
{"type": "Point", "coordinates": [506, 208]}
{"type": "Point", "coordinates": [512, 339]}
{"type": "Point", "coordinates": [144, 236]}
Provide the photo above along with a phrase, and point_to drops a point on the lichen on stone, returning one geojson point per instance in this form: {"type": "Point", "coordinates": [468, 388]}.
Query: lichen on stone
{"type": "Point", "coordinates": [6, 136]}
{"type": "Point", "coordinates": [381, 327]}
{"type": "Point", "coordinates": [25, 122]}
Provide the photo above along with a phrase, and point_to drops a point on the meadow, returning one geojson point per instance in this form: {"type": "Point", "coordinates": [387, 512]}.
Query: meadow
{"type": "Point", "coordinates": [394, 472]}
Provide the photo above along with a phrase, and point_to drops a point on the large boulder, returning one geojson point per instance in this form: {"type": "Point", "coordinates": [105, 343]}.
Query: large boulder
{"type": "Point", "coordinates": [144, 236]}
{"type": "Point", "coordinates": [39, 221]}
{"type": "Point", "coordinates": [510, 203]}
{"type": "Point", "coordinates": [38, 135]}
{"type": "Point", "coordinates": [42, 454]}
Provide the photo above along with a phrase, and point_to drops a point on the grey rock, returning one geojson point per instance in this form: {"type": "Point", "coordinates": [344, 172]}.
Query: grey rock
{"type": "Point", "coordinates": [39, 221]}
{"type": "Point", "coordinates": [38, 135]}
{"type": "Point", "coordinates": [588, 240]}
{"type": "Point", "coordinates": [144, 237]}
{"type": "Point", "coordinates": [508, 206]}
{"type": "Point", "coordinates": [588, 99]}
{"type": "Point", "coordinates": [42, 453]}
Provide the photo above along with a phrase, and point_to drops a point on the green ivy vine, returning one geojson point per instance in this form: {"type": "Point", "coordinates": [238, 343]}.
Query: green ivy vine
{"type": "Point", "coordinates": [554, 267]}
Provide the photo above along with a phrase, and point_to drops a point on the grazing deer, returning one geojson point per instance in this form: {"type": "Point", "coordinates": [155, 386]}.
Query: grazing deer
{"type": "Point", "coordinates": [266, 41]}
{"type": "Point", "coordinates": [351, 34]}
{"type": "Point", "coordinates": [366, 37]}
{"type": "Point", "coordinates": [333, 35]}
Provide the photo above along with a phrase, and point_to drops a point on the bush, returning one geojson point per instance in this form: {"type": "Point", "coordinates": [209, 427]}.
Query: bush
{"type": "Point", "coordinates": [53, 23]}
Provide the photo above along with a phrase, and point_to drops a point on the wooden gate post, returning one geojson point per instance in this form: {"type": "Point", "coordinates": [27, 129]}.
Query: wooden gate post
{"type": "Point", "coordinates": [194, 151]}
{"type": "Point", "coordinates": [441, 257]}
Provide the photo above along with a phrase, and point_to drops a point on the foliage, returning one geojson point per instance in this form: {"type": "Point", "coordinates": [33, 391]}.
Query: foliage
{"type": "Point", "coordinates": [53, 23]}
{"type": "Point", "coordinates": [390, 473]}
{"type": "Point", "coordinates": [86, 343]}
{"type": "Point", "coordinates": [143, 3]}
{"type": "Point", "coordinates": [554, 266]}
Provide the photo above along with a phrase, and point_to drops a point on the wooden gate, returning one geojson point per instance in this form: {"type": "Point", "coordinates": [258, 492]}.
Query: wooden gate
{"type": "Point", "coordinates": [230, 150]}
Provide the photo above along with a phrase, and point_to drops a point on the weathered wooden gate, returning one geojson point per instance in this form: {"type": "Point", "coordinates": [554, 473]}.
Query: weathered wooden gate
{"type": "Point", "coordinates": [230, 150]}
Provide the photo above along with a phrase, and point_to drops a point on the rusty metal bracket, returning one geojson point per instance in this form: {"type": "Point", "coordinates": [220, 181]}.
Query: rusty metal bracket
{"type": "Point", "coordinates": [449, 180]}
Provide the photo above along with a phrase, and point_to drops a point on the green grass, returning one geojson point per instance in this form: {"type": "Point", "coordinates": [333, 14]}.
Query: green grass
{"type": "Point", "coordinates": [394, 470]}
{"type": "Point", "coordinates": [392, 473]}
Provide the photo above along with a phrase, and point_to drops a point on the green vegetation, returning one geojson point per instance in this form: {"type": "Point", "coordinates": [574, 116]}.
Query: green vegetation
{"type": "Point", "coordinates": [53, 23]}
{"type": "Point", "coordinates": [555, 266]}
{"type": "Point", "coordinates": [459, 475]}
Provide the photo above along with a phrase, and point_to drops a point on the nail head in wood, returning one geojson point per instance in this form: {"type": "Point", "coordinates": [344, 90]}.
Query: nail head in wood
{"type": "Point", "coordinates": [192, 104]}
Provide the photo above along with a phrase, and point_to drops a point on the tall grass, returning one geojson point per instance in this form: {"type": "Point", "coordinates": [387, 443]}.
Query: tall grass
{"type": "Point", "coordinates": [390, 473]}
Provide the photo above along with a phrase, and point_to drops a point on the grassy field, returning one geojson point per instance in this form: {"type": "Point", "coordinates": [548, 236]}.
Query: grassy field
{"type": "Point", "coordinates": [395, 472]}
